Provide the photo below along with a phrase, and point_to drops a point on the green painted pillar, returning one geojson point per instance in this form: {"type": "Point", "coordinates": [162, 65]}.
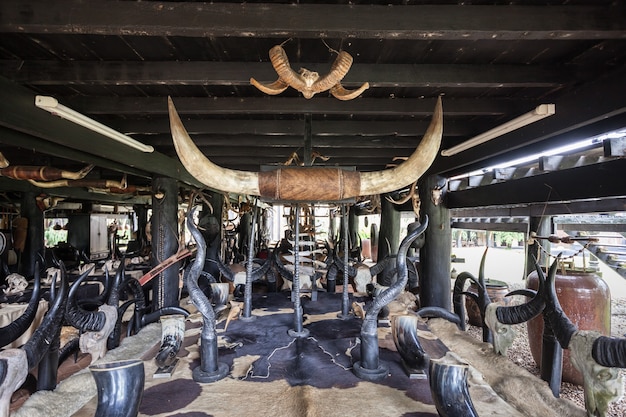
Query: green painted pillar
{"type": "Point", "coordinates": [388, 237]}
{"type": "Point", "coordinates": [435, 283]}
{"type": "Point", "coordinates": [35, 233]}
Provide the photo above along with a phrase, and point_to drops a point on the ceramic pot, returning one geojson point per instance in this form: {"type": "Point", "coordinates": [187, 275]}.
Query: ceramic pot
{"type": "Point", "coordinates": [496, 291]}
{"type": "Point", "coordinates": [586, 301]}
{"type": "Point", "coordinates": [120, 387]}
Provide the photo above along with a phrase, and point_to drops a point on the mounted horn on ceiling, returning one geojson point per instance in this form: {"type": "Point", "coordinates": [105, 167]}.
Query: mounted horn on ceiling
{"type": "Point", "coordinates": [307, 183]}
{"type": "Point", "coordinates": [308, 82]}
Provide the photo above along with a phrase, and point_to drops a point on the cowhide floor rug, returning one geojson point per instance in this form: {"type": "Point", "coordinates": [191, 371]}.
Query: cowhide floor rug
{"type": "Point", "coordinates": [272, 373]}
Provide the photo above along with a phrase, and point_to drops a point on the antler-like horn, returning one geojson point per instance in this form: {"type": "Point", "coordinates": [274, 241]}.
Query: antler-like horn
{"type": "Point", "coordinates": [553, 314]}
{"type": "Point", "coordinates": [83, 320]}
{"type": "Point", "coordinates": [306, 183]}
{"type": "Point", "coordinates": [48, 330]}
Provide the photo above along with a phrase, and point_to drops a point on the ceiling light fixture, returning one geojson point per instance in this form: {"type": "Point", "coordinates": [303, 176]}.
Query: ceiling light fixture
{"type": "Point", "coordinates": [542, 111]}
{"type": "Point", "coordinates": [52, 105]}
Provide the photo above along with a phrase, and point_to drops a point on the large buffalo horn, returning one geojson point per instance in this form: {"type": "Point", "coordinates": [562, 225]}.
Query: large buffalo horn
{"type": "Point", "coordinates": [10, 332]}
{"type": "Point", "coordinates": [524, 312]}
{"type": "Point", "coordinates": [83, 320]}
{"type": "Point", "coordinates": [553, 314]}
{"type": "Point", "coordinates": [308, 183]}
{"type": "Point", "coordinates": [609, 351]}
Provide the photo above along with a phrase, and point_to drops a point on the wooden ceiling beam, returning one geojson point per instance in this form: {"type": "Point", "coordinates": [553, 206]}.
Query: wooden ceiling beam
{"type": "Point", "coordinates": [282, 142]}
{"type": "Point", "coordinates": [591, 181]}
{"type": "Point", "coordinates": [294, 105]}
{"type": "Point", "coordinates": [159, 128]}
{"type": "Point", "coordinates": [593, 109]}
{"type": "Point", "coordinates": [419, 22]}
{"type": "Point", "coordinates": [610, 204]}
{"type": "Point", "coordinates": [50, 73]}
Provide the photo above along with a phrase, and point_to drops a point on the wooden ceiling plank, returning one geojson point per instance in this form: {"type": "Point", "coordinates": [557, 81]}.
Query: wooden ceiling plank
{"type": "Point", "coordinates": [420, 22]}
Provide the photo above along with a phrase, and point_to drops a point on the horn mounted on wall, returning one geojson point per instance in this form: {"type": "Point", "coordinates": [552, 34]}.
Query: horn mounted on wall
{"type": "Point", "coordinates": [304, 184]}
{"type": "Point", "coordinates": [308, 82]}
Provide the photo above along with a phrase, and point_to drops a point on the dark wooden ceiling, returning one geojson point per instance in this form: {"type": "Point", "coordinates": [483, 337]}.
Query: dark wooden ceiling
{"type": "Point", "coordinates": [118, 61]}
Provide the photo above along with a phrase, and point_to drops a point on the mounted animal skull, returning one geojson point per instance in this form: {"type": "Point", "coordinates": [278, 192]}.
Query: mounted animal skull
{"type": "Point", "coordinates": [301, 184]}
{"type": "Point", "coordinates": [17, 284]}
{"type": "Point", "coordinates": [308, 82]}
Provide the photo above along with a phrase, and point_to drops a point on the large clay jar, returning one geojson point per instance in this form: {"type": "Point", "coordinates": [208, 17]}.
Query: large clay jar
{"type": "Point", "coordinates": [497, 290]}
{"type": "Point", "coordinates": [586, 301]}
{"type": "Point", "coordinates": [120, 387]}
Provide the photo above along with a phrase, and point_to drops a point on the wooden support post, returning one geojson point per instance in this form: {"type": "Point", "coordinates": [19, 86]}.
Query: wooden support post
{"type": "Point", "coordinates": [435, 284]}
{"type": "Point", "coordinates": [165, 241]}
{"type": "Point", "coordinates": [34, 238]}
{"type": "Point", "coordinates": [542, 226]}
{"type": "Point", "coordinates": [388, 238]}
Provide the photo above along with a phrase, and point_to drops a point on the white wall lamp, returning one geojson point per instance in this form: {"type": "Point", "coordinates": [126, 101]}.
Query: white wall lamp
{"type": "Point", "coordinates": [51, 105]}
{"type": "Point", "coordinates": [542, 111]}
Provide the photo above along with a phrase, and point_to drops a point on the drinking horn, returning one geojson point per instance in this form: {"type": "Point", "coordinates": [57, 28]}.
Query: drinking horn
{"type": "Point", "coordinates": [369, 367]}
{"type": "Point", "coordinates": [448, 386]}
{"type": "Point", "coordinates": [13, 330]}
{"type": "Point", "coordinates": [307, 183]}
{"type": "Point", "coordinates": [210, 370]}
{"type": "Point", "coordinates": [18, 362]}
{"type": "Point", "coordinates": [597, 357]}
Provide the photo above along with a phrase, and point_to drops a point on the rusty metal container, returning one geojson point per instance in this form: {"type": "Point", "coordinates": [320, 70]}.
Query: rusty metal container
{"type": "Point", "coordinates": [586, 300]}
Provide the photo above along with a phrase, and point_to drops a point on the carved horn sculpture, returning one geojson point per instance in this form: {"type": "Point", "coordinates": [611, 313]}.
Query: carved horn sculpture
{"type": "Point", "coordinates": [307, 183]}
{"type": "Point", "coordinates": [210, 370]}
{"type": "Point", "coordinates": [308, 82]}
{"type": "Point", "coordinates": [369, 367]}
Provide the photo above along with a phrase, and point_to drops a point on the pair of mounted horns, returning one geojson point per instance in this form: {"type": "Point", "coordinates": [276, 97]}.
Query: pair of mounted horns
{"type": "Point", "coordinates": [307, 183]}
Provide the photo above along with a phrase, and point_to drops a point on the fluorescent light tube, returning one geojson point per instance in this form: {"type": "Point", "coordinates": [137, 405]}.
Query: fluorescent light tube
{"type": "Point", "coordinates": [51, 105]}
{"type": "Point", "coordinates": [542, 111]}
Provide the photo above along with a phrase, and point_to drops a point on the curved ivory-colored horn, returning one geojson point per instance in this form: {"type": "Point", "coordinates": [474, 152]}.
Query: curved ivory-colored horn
{"type": "Point", "coordinates": [306, 183]}
{"type": "Point", "coordinates": [379, 182]}
{"type": "Point", "coordinates": [202, 168]}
